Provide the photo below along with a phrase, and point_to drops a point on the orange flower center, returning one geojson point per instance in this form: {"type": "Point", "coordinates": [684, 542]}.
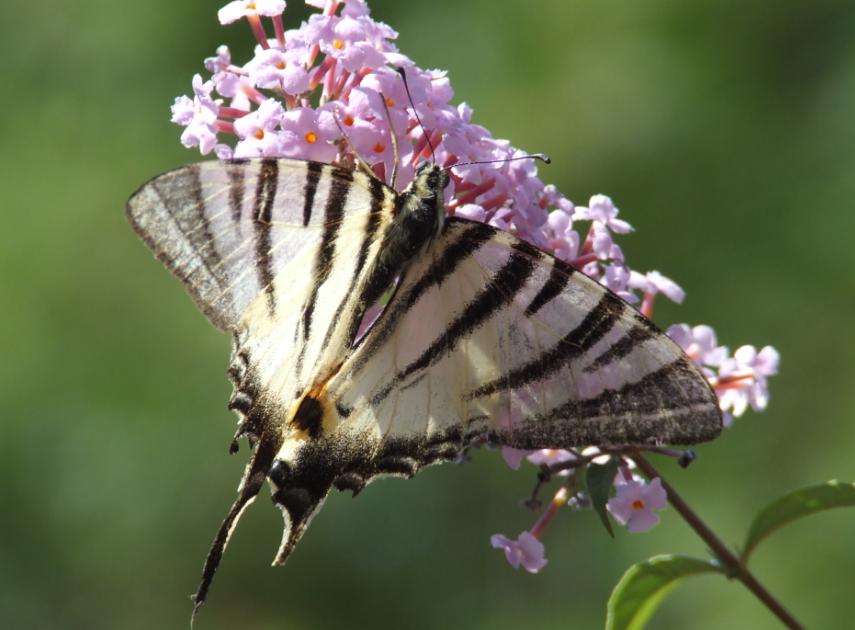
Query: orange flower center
{"type": "Point", "coordinates": [281, 65]}
{"type": "Point", "coordinates": [311, 137]}
{"type": "Point", "coordinates": [390, 102]}
{"type": "Point", "coordinates": [250, 6]}
{"type": "Point", "coordinates": [337, 43]}
{"type": "Point", "coordinates": [348, 120]}
{"type": "Point", "coordinates": [379, 148]}
{"type": "Point", "coordinates": [259, 134]}
{"type": "Point", "coordinates": [638, 504]}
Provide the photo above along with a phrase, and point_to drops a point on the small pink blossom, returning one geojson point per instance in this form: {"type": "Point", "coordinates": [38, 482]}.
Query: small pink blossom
{"type": "Point", "coordinates": [471, 211]}
{"type": "Point", "coordinates": [239, 9]}
{"type": "Point", "coordinates": [603, 210]}
{"type": "Point", "coordinates": [603, 244]}
{"type": "Point", "coordinates": [513, 456]}
{"type": "Point", "coordinates": [654, 282]}
{"type": "Point", "coordinates": [221, 61]}
{"type": "Point", "coordinates": [258, 132]}
{"type": "Point", "coordinates": [742, 379]}
{"type": "Point", "coordinates": [616, 277]}
{"type": "Point", "coordinates": [635, 502]}
{"type": "Point", "coordinates": [552, 457]}
{"type": "Point", "coordinates": [199, 116]}
{"type": "Point", "coordinates": [699, 343]}
{"type": "Point", "coordinates": [274, 69]}
{"type": "Point", "coordinates": [310, 134]}
{"type": "Point", "coordinates": [526, 551]}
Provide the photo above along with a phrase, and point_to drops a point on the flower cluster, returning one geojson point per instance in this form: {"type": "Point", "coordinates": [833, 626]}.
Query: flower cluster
{"type": "Point", "coordinates": [329, 91]}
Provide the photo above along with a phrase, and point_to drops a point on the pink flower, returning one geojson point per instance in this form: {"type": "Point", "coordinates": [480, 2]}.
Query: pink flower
{"type": "Point", "coordinates": [513, 456]}
{"type": "Point", "coordinates": [603, 210]}
{"type": "Point", "coordinates": [278, 70]}
{"type": "Point", "coordinates": [616, 276]}
{"type": "Point", "coordinates": [654, 282]}
{"type": "Point", "coordinates": [471, 211]}
{"type": "Point", "coordinates": [699, 343]}
{"type": "Point", "coordinates": [199, 116]}
{"type": "Point", "coordinates": [258, 132]}
{"type": "Point", "coordinates": [743, 379]}
{"type": "Point", "coordinates": [634, 503]}
{"type": "Point", "coordinates": [552, 457]}
{"type": "Point", "coordinates": [311, 134]}
{"type": "Point", "coordinates": [234, 11]}
{"type": "Point", "coordinates": [526, 551]}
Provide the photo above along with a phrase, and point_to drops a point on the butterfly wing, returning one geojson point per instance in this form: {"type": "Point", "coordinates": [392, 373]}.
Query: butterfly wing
{"type": "Point", "coordinates": [488, 336]}
{"type": "Point", "coordinates": [227, 229]}
{"type": "Point", "coordinates": [277, 252]}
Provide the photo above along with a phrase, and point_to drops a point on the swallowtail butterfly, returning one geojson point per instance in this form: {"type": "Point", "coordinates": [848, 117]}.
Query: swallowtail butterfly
{"type": "Point", "coordinates": [484, 336]}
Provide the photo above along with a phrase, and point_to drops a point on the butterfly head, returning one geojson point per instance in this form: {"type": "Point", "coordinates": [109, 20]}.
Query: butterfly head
{"type": "Point", "coordinates": [429, 182]}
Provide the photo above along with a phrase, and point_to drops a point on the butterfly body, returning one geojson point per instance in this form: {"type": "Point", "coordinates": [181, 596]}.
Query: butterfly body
{"type": "Point", "coordinates": [483, 337]}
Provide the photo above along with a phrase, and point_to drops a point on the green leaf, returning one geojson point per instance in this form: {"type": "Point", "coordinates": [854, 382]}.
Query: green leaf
{"type": "Point", "coordinates": [598, 482]}
{"type": "Point", "coordinates": [644, 585]}
{"type": "Point", "coordinates": [795, 505]}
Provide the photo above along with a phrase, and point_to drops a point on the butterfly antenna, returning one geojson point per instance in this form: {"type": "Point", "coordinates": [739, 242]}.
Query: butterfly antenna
{"type": "Point", "coordinates": [415, 111]}
{"type": "Point", "coordinates": [530, 156]}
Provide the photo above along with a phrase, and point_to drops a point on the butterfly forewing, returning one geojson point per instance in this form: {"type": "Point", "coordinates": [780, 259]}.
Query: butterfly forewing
{"type": "Point", "coordinates": [227, 229]}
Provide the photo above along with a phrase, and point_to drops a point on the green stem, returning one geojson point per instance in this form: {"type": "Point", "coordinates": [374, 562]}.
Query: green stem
{"type": "Point", "coordinates": [724, 555]}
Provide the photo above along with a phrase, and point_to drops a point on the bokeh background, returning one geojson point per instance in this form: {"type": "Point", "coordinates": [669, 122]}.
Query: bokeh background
{"type": "Point", "coordinates": [726, 133]}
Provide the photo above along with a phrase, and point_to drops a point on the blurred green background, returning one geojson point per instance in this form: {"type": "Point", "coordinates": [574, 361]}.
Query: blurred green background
{"type": "Point", "coordinates": [724, 131]}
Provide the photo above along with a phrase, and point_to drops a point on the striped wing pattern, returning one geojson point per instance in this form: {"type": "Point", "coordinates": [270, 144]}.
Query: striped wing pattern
{"type": "Point", "coordinates": [484, 336]}
{"type": "Point", "coordinates": [228, 229]}
{"type": "Point", "coordinates": [488, 335]}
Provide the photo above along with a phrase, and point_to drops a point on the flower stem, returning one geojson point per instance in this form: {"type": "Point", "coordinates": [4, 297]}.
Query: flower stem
{"type": "Point", "coordinates": [724, 555]}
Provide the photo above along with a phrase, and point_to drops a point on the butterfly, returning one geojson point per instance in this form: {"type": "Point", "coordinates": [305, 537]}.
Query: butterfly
{"type": "Point", "coordinates": [480, 335]}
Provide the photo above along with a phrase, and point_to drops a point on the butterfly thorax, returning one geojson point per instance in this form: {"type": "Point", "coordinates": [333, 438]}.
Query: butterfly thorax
{"type": "Point", "coordinates": [418, 219]}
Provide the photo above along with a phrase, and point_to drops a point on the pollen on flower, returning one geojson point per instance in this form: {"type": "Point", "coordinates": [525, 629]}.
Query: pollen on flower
{"type": "Point", "coordinates": [280, 65]}
{"type": "Point", "coordinates": [338, 44]}
{"type": "Point", "coordinates": [259, 134]}
{"type": "Point", "coordinates": [638, 504]}
{"type": "Point", "coordinates": [379, 148]}
{"type": "Point", "coordinates": [311, 137]}
{"type": "Point", "coordinates": [390, 102]}
{"type": "Point", "coordinates": [348, 120]}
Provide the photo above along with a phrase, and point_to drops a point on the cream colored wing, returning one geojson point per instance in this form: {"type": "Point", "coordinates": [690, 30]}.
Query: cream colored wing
{"type": "Point", "coordinates": [228, 229]}
{"type": "Point", "coordinates": [488, 336]}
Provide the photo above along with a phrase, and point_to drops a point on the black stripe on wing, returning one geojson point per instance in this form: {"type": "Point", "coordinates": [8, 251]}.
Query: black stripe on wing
{"type": "Point", "coordinates": [501, 289]}
{"type": "Point", "coordinates": [237, 174]}
{"type": "Point", "coordinates": [636, 336]}
{"type": "Point", "coordinates": [559, 277]}
{"type": "Point", "coordinates": [333, 214]}
{"type": "Point", "coordinates": [444, 265]}
{"type": "Point", "coordinates": [574, 344]}
{"type": "Point", "coordinates": [313, 176]}
{"type": "Point", "coordinates": [265, 196]}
